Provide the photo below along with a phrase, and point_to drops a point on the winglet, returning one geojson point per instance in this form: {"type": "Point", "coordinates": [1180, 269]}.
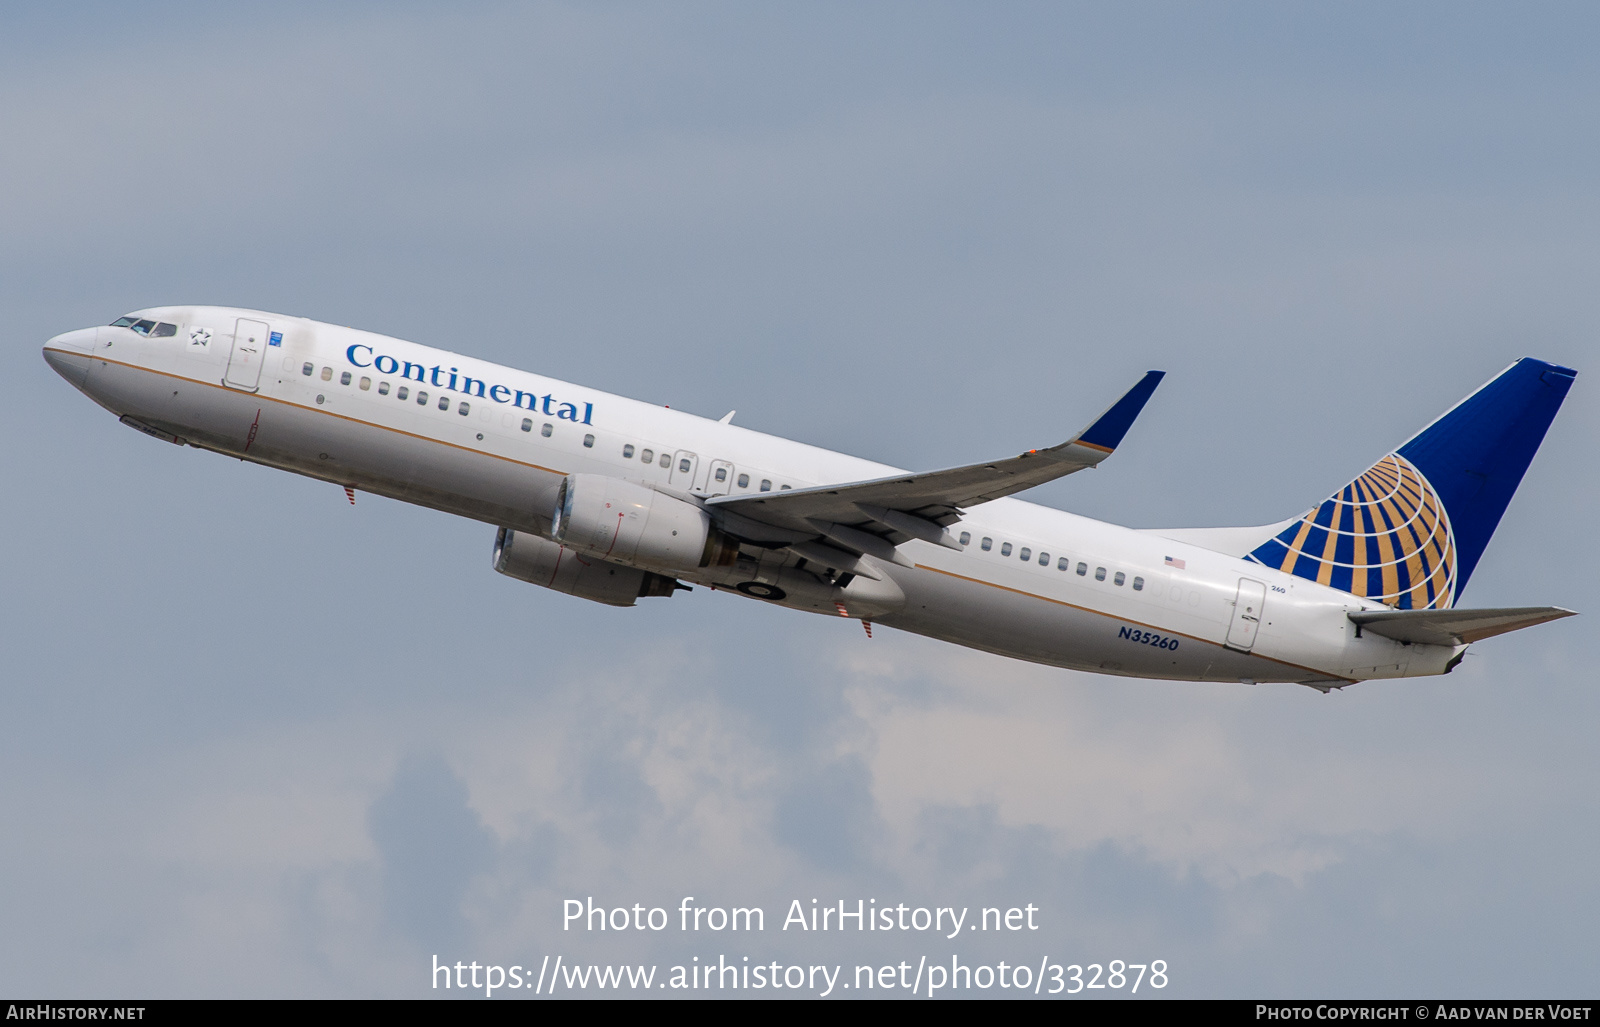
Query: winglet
{"type": "Point", "coordinates": [1106, 433]}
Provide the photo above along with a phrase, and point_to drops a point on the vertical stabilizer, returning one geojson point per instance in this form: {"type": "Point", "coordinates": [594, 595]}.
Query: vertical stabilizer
{"type": "Point", "coordinates": [1410, 531]}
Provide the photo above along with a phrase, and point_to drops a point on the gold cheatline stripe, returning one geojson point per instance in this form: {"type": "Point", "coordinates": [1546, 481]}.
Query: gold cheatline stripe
{"type": "Point", "coordinates": [314, 410]}
{"type": "Point", "coordinates": [1130, 620]}
{"type": "Point", "coordinates": [521, 463]}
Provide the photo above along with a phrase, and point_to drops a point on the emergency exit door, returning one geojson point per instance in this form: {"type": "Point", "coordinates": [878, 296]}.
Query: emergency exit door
{"type": "Point", "coordinates": [684, 466]}
{"type": "Point", "coordinates": [720, 480]}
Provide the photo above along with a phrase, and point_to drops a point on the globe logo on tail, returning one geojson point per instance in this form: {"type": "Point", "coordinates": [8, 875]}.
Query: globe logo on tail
{"type": "Point", "coordinates": [1385, 536]}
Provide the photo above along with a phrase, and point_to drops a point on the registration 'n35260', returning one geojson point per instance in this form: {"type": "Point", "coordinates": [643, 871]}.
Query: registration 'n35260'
{"type": "Point", "coordinates": [1148, 638]}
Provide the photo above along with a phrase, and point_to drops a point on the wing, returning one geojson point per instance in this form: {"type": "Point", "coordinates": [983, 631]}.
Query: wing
{"type": "Point", "coordinates": [1453, 627]}
{"type": "Point", "coordinates": [872, 517]}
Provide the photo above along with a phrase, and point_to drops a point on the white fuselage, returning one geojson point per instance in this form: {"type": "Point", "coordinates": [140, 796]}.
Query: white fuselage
{"type": "Point", "coordinates": [494, 444]}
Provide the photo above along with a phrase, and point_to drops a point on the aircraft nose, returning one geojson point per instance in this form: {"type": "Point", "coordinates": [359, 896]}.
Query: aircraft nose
{"type": "Point", "coordinates": [68, 354]}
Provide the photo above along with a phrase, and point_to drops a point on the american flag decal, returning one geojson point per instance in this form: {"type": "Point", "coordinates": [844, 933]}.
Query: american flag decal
{"type": "Point", "coordinates": [1173, 561]}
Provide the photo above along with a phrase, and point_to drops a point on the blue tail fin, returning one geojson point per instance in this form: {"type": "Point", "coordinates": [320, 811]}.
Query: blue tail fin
{"type": "Point", "coordinates": [1410, 530]}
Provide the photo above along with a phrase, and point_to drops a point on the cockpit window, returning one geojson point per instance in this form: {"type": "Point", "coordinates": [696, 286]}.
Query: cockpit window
{"type": "Point", "coordinates": [154, 329]}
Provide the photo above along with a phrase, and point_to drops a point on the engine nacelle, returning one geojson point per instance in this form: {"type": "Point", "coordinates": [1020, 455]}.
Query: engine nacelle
{"type": "Point", "coordinates": [539, 561]}
{"type": "Point", "coordinates": [624, 522]}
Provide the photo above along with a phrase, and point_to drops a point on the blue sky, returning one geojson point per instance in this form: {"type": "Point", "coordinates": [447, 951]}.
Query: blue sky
{"type": "Point", "coordinates": [262, 743]}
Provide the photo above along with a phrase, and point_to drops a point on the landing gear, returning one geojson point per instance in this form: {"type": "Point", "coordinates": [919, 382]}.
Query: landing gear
{"type": "Point", "coordinates": [761, 590]}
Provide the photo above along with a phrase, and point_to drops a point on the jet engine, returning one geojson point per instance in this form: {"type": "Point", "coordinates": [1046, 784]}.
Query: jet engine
{"type": "Point", "coordinates": [624, 522]}
{"type": "Point", "coordinates": [539, 561]}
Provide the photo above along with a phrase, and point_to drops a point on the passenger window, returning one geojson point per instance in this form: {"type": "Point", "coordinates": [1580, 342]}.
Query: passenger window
{"type": "Point", "coordinates": [785, 488]}
{"type": "Point", "coordinates": [463, 409]}
{"type": "Point", "coordinates": [1138, 584]}
{"type": "Point", "coordinates": [306, 370]}
{"type": "Point", "coordinates": [1119, 579]}
{"type": "Point", "coordinates": [344, 379]}
{"type": "Point", "coordinates": [588, 442]}
{"type": "Point", "coordinates": [627, 452]}
{"type": "Point", "coordinates": [1083, 569]}
{"type": "Point", "coordinates": [527, 424]}
{"type": "Point", "coordinates": [402, 393]}
{"type": "Point", "coordinates": [648, 456]}
{"type": "Point", "coordinates": [547, 429]}
{"type": "Point", "coordinates": [683, 466]}
{"type": "Point", "coordinates": [1044, 559]}
{"type": "Point", "coordinates": [1005, 549]}
{"type": "Point", "coordinates": [966, 537]}
{"type": "Point", "coordinates": [422, 398]}
{"type": "Point", "coordinates": [366, 384]}
{"type": "Point", "coordinates": [163, 330]}
{"type": "Point", "coordinates": [383, 388]}
{"type": "Point", "coordinates": [666, 460]}
{"type": "Point", "coordinates": [766, 484]}
{"type": "Point", "coordinates": [444, 402]}
{"type": "Point", "coordinates": [1099, 574]}
{"type": "Point", "coordinates": [1025, 555]}
{"type": "Point", "coordinates": [327, 374]}
{"type": "Point", "coordinates": [1063, 563]}
{"type": "Point", "coordinates": [986, 545]}
{"type": "Point", "coordinates": [722, 474]}
{"type": "Point", "coordinates": [744, 481]}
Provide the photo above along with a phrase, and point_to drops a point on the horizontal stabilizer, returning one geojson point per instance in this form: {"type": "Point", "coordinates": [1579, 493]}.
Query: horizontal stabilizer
{"type": "Point", "coordinates": [1453, 627]}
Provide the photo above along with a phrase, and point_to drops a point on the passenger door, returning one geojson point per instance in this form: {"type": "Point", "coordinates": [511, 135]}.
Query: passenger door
{"type": "Point", "coordinates": [1248, 605]}
{"type": "Point", "coordinates": [249, 350]}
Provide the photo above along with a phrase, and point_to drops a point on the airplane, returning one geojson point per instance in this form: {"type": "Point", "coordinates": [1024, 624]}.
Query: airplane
{"type": "Point", "coordinates": [614, 500]}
